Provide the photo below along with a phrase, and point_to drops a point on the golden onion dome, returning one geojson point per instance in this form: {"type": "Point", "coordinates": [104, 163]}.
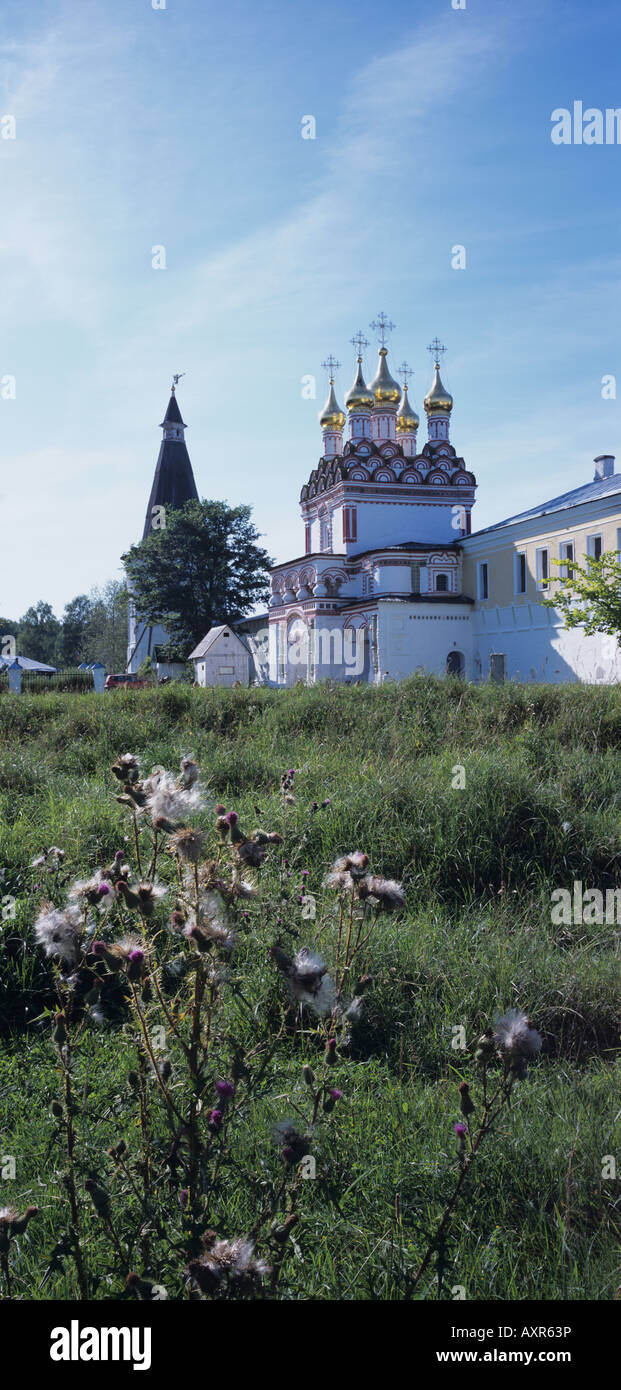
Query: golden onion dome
{"type": "Point", "coordinates": [385, 390]}
{"type": "Point", "coordinates": [332, 417]}
{"type": "Point", "coordinates": [359, 396]}
{"type": "Point", "coordinates": [407, 419]}
{"type": "Point", "coordinates": [438, 401]}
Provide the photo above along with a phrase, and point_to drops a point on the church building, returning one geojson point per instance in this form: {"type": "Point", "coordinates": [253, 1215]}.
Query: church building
{"type": "Point", "coordinates": [173, 486]}
{"type": "Point", "coordinates": [379, 589]}
{"type": "Point", "coordinates": [393, 578]}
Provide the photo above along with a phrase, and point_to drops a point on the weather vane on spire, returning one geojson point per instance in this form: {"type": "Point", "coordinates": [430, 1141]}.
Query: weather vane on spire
{"type": "Point", "coordinates": [331, 366]}
{"type": "Point", "coordinates": [437, 350]}
{"type": "Point", "coordinates": [176, 379]}
{"type": "Point", "coordinates": [405, 372]}
{"type": "Point", "coordinates": [382, 326]}
{"type": "Point", "coordinates": [360, 342]}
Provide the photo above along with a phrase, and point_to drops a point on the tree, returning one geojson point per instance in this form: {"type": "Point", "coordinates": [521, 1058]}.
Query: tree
{"type": "Point", "coordinates": [203, 567]}
{"type": "Point", "coordinates": [590, 596]}
{"type": "Point", "coordinates": [106, 634]}
{"type": "Point", "coordinates": [37, 633]}
{"type": "Point", "coordinates": [71, 644]}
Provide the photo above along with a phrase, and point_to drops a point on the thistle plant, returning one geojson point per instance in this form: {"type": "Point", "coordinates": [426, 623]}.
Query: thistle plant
{"type": "Point", "coordinates": [502, 1056]}
{"type": "Point", "coordinates": [175, 989]}
{"type": "Point", "coordinates": [12, 1224]}
{"type": "Point", "coordinates": [156, 945]}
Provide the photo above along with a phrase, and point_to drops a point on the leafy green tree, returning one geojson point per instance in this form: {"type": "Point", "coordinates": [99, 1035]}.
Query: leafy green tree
{"type": "Point", "coordinates": [37, 633]}
{"type": "Point", "coordinates": [589, 595]}
{"type": "Point", "coordinates": [106, 634]}
{"type": "Point", "coordinates": [71, 644]}
{"type": "Point", "coordinates": [203, 567]}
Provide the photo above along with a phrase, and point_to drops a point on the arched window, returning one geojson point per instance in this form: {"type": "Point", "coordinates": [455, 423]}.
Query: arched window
{"type": "Point", "coordinates": [441, 583]}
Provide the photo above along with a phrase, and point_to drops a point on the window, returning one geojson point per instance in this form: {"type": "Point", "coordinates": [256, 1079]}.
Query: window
{"type": "Point", "coordinates": [350, 524]}
{"type": "Point", "coordinates": [594, 547]}
{"type": "Point", "coordinates": [415, 578]}
{"type": "Point", "coordinates": [307, 538]}
{"type": "Point", "coordinates": [566, 553]}
{"type": "Point", "coordinates": [368, 586]}
{"type": "Point", "coordinates": [441, 583]}
{"type": "Point", "coordinates": [483, 580]}
{"type": "Point", "coordinates": [324, 533]}
{"type": "Point", "coordinates": [521, 572]}
{"type": "Point", "coordinates": [543, 567]}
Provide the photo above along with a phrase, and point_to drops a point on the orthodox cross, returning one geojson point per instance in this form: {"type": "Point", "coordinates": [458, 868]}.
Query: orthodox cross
{"type": "Point", "coordinates": [437, 350]}
{"type": "Point", "coordinates": [382, 326]}
{"type": "Point", "coordinates": [176, 379]}
{"type": "Point", "coordinates": [360, 342]}
{"type": "Point", "coordinates": [331, 366]}
{"type": "Point", "coordinates": [405, 372]}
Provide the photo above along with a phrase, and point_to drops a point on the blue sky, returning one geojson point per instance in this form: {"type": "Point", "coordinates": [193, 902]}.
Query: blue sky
{"type": "Point", "coordinates": [181, 127]}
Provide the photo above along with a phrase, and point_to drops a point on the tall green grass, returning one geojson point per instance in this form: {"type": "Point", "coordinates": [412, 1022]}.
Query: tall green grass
{"type": "Point", "coordinates": [540, 808]}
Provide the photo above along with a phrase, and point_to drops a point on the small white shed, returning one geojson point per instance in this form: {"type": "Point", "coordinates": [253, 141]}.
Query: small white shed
{"type": "Point", "coordinates": [221, 658]}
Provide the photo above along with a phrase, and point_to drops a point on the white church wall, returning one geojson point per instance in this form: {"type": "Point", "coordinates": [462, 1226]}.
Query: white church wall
{"type": "Point", "coordinates": [412, 638]}
{"type": "Point", "coordinates": [257, 642]}
{"type": "Point", "coordinates": [538, 648]}
{"type": "Point", "coordinates": [142, 643]}
{"type": "Point", "coordinates": [395, 523]}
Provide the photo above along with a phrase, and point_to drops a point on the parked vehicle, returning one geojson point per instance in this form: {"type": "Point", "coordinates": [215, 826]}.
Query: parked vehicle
{"type": "Point", "coordinates": [126, 678]}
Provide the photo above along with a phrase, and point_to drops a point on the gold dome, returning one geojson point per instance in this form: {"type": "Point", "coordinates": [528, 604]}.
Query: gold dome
{"type": "Point", "coordinates": [332, 417]}
{"type": "Point", "coordinates": [438, 401]}
{"type": "Point", "coordinates": [385, 390]}
{"type": "Point", "coordinates": [359, 396]}
{"type": "Point", "coordinates": [407, 419]}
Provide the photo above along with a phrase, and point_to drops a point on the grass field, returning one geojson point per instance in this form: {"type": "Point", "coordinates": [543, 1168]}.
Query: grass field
{"type": "Point", "coordinates": [540, 808]}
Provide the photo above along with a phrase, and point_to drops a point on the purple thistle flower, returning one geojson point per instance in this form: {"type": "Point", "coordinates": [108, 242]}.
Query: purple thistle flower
{"type": "Point", "coordinates": [305, 873]}
{"type": "Point", "coordinates": [103, 889]}
{"type": "Point", "coordinates": [183, 1198]}
{"type": "Point", "coordinates": [225, 1089]}
{"type": "Point", "coordinates": [460, 1130]}
{"type": "Point", "coordinates": [99, 948]}
{"type": "Point", "coordinates": [336, 1095]}
{"type": "Point", "coordinates": [232, 818]}
{"type": "Point", "coordinates": [137, 954]}
{"type": "Point", "coordinates": [215, 1121]}
{"type": "Point", "coordinates": [119, 855]}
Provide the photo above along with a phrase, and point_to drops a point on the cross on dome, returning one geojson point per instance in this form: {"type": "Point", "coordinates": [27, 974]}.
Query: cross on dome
{"type": "Point", "coordinates": [382, 326]}
{"type": "Point", "coordinates": [175, 380]}
{"type": "Point", "coordinates": [360, 342]}
{"type": "Point", "coordinates": [331, 366]}
{"type": "Point", "coordinates": [405, 372]}
{"type": "Point", "coordinates": [437, 350]}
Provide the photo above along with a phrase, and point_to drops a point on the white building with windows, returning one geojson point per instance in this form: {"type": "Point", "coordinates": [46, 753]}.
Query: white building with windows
{"type": "Point", "coordinates": [511, 566]}
{"type": "Point", "coordinates": [392, 579]}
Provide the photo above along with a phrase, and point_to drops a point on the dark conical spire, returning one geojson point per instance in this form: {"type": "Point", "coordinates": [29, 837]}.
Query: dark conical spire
{"type": "Point", "coordinates": [173, 484]}
{"type": "Point", "coordinates": [173, 414]}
